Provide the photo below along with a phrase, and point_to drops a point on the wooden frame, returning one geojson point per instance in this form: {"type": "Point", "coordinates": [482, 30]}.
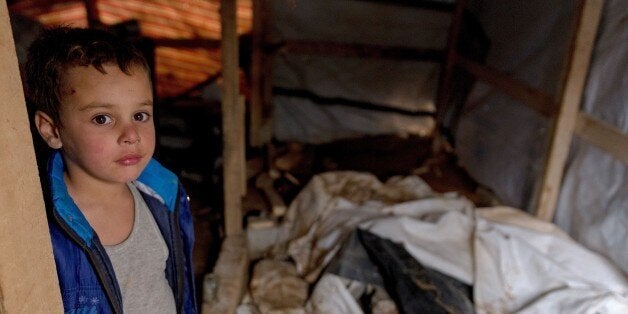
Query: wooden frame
{"type": "Point", "coordinates": [571, 95]}
{"type": "Point", "coordinates": [360, 51]}
{"type": "Point", "coordinates": [234, 162]}
{"type": "Point", "coordinates": [28, 277]}
{"type": "Point", "coordinates": [257, 76]}
{"type": "Point", "coordinates": [564, 112]}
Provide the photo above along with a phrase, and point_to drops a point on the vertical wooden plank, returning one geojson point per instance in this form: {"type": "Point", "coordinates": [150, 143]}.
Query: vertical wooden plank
{"type": "Point", "coordinates": [257, 104]}
{"type": "Point", "coordinates": [232, 121]}
{"type": "Point", "coordinates": [448, 67]}
{"type": "Point", "coordinates": [569, 105]}
{"type": "Point", "coordinates": [240, 115]}
{"type": "Point", "coordinates": [28, 278]}
{"type": "Point", "coordinates": [93, 17]}
{"type": "Point", "coordinates": [267, 74]}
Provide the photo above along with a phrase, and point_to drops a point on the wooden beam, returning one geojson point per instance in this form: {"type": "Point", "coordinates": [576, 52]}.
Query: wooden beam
{"type": "Point", "coordinates": [232, 122]}
{"type": "Point", "coordinates": [28, 277]}
{"type": "Point", "coordinates": [257, 75]}
{"type": "Point", "coordinates": [207, 43]}
{"type": "Point", "coordinates": [419, 4]}
{"type": "Point", "coordinates": [607, 137]}
{"type": "Point", "coordinates": [534, 98]}
{"type": "Point", "coordinates": [93, 17]}
{"type": "Point", "coordinates": [360, 51]}
{"type": "Point", "coordinates": [571, 96]}
{"type": "Point", "coordinates": [447, 68]}
{"type": "Point", "coordinates": [229, 277]}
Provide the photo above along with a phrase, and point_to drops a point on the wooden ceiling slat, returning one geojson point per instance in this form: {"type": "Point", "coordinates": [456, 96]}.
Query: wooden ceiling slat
{"type": "Point", "coordinates": [198, 17]}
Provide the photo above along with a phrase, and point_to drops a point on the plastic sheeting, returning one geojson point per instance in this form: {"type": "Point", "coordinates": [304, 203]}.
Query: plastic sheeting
{"type": "Point", "coordinates": [403, 85]}
{"type": "Point", "coordinates": [593, 204]}
{"type": "Point", "coordinates": [516, 263]}
{"type": "Point", "coordinates": [502, 142]}
{"type": "Point", "coordinates": [409, 85]}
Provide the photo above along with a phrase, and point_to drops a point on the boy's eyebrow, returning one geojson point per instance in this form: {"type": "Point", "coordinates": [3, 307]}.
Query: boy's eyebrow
{"type": "Point", "coordinates": [109, 105]}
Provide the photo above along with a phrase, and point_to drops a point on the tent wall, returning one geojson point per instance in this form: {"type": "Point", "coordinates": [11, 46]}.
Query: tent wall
{"type": "Point", "coordinates": [503, 143]}
{"type": "Point", "coordinates": [338, 50]}
{"type": "Point", "coordinates": [593, 203]}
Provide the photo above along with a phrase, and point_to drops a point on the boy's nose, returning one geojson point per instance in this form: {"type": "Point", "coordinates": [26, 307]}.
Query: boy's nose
{"type": "Point", "coordinates": [129, 135]}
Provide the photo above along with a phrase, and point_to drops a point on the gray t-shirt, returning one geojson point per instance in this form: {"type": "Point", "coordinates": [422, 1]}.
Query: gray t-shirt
{"type": "Point", "coordinates": [139, 263]}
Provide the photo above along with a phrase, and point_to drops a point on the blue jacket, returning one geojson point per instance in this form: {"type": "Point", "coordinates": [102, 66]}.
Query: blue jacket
{"type": "Point", "coordinates": [86, 277]}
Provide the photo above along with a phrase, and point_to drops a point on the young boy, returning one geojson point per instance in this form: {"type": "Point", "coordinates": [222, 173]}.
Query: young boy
{"type": "Point", "coordinates": [120, 223]}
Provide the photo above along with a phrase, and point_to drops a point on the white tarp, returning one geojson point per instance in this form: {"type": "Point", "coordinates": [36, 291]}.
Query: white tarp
{"type": "Point", "coordinates": [516, 263]}
{"type": "Point", "coordinates": [501, 142]}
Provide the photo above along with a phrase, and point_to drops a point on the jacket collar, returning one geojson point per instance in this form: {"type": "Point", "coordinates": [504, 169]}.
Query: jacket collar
{"type": "Point", "coordinates": [155, 180]}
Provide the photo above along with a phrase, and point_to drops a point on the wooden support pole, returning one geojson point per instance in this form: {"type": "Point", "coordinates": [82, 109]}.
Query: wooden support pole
{"type": "Point", "coordinates": [447, 69]}
{"type": "Point", "coordinates": [93, 17]}
{"type": "Point", "coordinates": [570, 98]}
{"type": "Point", "coordinates": [257, 75]}
{"type": "Point", "coordinates": [232, 122]}
{"type": "Point", "coordinates": [28, 277]}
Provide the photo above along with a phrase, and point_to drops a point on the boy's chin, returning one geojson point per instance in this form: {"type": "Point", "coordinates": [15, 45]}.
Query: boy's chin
{"type": "Point", "coordinates": [128, 177]}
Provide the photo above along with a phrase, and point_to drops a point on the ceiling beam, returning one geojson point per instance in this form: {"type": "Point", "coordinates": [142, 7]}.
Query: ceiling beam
{"type": "Point", "coordinates": [419, 4]}
{"type": "Point", "coordinates": [359, 50]}
{"type": "Point", "coordinates": [187, 43]}
{"type": "Point", "coordinates": [93, 17]}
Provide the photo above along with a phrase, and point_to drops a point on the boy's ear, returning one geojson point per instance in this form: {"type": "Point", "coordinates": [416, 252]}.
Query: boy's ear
{"type": "Point", "coordinates": [48, 130]}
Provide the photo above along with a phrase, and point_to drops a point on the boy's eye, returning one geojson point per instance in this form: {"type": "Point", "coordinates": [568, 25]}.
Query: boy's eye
{"type": "Point", "coordinates": [141, 116]}
{"type": "Point", "coordinates": [102, 119]}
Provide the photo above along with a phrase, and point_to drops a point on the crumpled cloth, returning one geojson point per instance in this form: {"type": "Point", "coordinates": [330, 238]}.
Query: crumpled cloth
{"type": "Point", "coordinates": [515, 262]}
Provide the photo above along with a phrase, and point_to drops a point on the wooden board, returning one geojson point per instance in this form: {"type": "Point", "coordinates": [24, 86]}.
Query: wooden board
{"type": "Point", "coordinates": [257, 75]}
{"type": "Point", "coordinates": [602, 135]}
{"type": "Point", "coordinates": [569, 106]}
{"type": "Point", "coordinates": [232, 122]}
{"type": "Point", "coordinates": [28, 278]}
{"type": "Point", "coordinates": [534, 98]}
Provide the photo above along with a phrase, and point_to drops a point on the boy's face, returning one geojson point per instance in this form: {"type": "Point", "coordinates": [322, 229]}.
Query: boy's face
{"type": "Point", "coordinates": [107, 131]}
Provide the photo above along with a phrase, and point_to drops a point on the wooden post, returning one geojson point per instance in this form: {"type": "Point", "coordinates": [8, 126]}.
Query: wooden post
{"type": "Point", "coordinates": [28, 278]}
{"type": "Point", "coordinates": [450, 59]}
{"type": "Point", "coordinates": [93, 17]}
{"type": "Point", "coordinates": [569, 106]}
{"type": "Point", "coordinates": [232, 122]}
{"type": "Point", "coordinates": [257, 104]}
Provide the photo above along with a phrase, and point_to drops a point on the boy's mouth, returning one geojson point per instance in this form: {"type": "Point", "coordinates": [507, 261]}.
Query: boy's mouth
{"type": "Point", "coordinates": [129, 160]}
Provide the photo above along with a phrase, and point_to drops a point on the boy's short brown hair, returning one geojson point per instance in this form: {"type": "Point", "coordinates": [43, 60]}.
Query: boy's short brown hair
{"type": "Point", "coordinates": [59, 48]}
